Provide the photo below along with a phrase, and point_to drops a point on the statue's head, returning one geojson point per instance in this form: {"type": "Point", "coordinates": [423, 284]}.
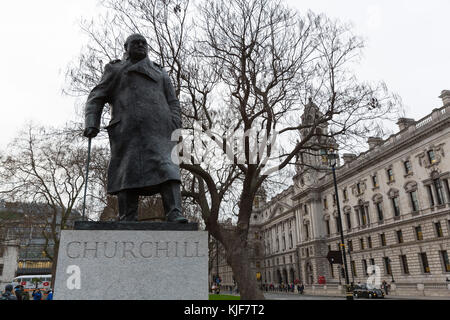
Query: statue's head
{"type": "Point", "coordinates": [136, 47]}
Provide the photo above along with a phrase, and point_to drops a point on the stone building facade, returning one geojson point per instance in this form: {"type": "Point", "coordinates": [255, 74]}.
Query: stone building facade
{"type": "Point", "coordinates": [395, 206]}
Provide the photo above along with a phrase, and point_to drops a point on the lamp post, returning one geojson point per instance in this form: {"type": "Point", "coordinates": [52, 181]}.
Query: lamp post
{"type": "Point", "coordinates": [331, 158]}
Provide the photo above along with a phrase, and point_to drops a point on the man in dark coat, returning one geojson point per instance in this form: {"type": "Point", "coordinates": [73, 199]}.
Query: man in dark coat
{"type": "Point", "coordinates": [144, 113]}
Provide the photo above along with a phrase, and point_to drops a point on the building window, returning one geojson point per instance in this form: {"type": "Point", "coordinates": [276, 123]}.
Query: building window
{"type": "Point", "coordinates": [364, 265]}
{"type": "Point", "coordinates": [396, 206]}
{"type": "Point", "coordinates": [327, 225]}
{"type": "Point", "coordinates": [408, 168]}
{"type": "Point", "coordinates": [447, 187]}
{"type": "Point", "coordinates": [430, 196]}
{"type": "Point", "coordinates": [404, 262]}
{"type": "Point", "coordinates": [379, 211]}
{"type": "Point", "coordinates": [383, 239]}
{"type": "Point", "coordinates": [445, 261]}
{"type": "Point", "coordinates": [350, 245]}
{"type": "Point", "coordinates": [338, 226]}
{"type": "Point", "coordinates": [325, 203]}
{"type": "Point", "coordinates": [431, 156]}
{"type": "Point", "coordinates": [399, 236]}
{"type": "Point", "coordinates": [419, 235]}
{"type": "Point", "coordinates": [387, 265]}
{"type": "Point", "coordinates": [345, 193]}
{"type": "Point", "coordinates": [414, 201]}
{"type": "Point", "coordinates": [369, 242]}
{"type": "Point", "coordinates": [375, 181]}
{"type": "Point", "coordinates": [438, 228]}
{"type": "Point", "coordinates": [334, 199]}
{"type": "Point", "coordinates": [390, 174]}
{"type": "Point", "coordinates": [348, 220]}
{"type": "Point", "coordinates": [358, 188]}
{"type": "Point", "coordinates": [424, 260]}
{"type": "Point", "coordinates": [1, 270]}
{"type": "Point", "coordinates": [353, 266]}
{"type": "Point", "coordinates": [372, 261]}
{"type": "Point", "coordinates": [439, 191]}
{"type": "Point", "coordinates": [363, 216]}
{"type": "Point", "coordinates": [361, 243]}
{"type": "Point", "coordinates": [307, 231]}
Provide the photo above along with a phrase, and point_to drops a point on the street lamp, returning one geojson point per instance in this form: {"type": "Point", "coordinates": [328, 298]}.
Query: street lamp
{"type": "Point", "coordinates": [331, 157]}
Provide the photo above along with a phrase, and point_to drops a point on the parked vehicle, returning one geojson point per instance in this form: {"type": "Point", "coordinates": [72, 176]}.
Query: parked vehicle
{"type": "Point", "coordinates": [362, 291]}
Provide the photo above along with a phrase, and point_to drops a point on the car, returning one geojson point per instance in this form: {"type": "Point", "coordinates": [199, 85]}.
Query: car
{"type": "Point", "coordinates": [363, 291]}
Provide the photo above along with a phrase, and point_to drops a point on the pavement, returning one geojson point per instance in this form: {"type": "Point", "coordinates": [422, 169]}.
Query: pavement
{"type": "Point", "coordinates": [296, 296]}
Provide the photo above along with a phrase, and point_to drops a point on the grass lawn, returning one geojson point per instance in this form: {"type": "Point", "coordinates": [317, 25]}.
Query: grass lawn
{"type": "Point", "coordinates": [223, 297]}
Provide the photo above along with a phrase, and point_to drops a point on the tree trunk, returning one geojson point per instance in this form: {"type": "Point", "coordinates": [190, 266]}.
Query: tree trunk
{"type": "Point", "coordinates": [54, 263]}
{"type": "Point", "coordinates": [238, 257]}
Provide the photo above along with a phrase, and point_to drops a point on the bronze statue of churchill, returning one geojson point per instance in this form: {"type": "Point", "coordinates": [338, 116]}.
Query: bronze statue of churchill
{"type": "Point", "coordinates": [144, 113]}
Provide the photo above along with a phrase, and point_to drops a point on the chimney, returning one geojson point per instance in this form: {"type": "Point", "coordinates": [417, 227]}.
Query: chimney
{"type": "Point", "coordinates": [348, 157]}
{"type": "Point", "coordinates": [404, 123]}
{"type": "Point", "coordinates": [374, 142]}
{"type": "Point", "coordinates": [445, 96]}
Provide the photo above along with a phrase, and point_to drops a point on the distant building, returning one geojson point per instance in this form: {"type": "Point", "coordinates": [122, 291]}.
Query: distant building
{"type": "Point", "coordinates": [395, 205]}
{"type": "Point", "coordinates": [22, 240]}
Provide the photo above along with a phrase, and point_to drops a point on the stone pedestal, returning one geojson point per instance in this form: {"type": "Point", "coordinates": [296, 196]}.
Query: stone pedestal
{"type": "Point", "coordinates": [132, 261]}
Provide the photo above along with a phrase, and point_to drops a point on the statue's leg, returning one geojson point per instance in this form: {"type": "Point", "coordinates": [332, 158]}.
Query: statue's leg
{"type": "Point", "coordinates": [171, 196]}
{"type": "Point", "coordinates": [128, 205]}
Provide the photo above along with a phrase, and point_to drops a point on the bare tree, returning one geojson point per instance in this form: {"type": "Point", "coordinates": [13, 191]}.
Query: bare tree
{"type": "Point", "coordinates": [245, 72]}
{"type": "Point", "coordinates": [44, 170]}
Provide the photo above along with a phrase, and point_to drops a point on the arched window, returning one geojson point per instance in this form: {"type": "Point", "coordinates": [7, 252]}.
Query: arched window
{"type": "Point", "coordinates": [411, 190]}
{"type": "Point", "coordinates": [378, 203]}
{"type": "Point", "coordinates": [394, 196]}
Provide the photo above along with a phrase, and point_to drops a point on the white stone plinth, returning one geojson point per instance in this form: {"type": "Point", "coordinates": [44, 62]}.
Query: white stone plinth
{"type": "Point", "coordinates": [132, 265]}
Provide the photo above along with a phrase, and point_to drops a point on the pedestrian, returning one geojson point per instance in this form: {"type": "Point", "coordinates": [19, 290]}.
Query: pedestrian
{"type": "Point", "coordinates": [37, 295]}
{"type": "Point", "coordinates": [8, 295]}
{"type": "Point", "coordinates": [18, 292]}
{"type": "Point", "coordinates": [50, 295]}
{"type": "Point", "coordinates": [25, 295]}
{"type": "Point", "coordinates": [385, 287]}
{"type": "Point", "coordinates": [302, 287]}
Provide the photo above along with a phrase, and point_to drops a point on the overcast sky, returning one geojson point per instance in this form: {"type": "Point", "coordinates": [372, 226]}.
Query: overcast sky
{"type": "Point", "coordinates": [407, 46]}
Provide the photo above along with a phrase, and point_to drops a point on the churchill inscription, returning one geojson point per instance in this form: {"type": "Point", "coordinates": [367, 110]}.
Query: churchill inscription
{"type": "Point", "coordinates": [132, 265]}
{"type": "Point", "coordinates": [131, 249]}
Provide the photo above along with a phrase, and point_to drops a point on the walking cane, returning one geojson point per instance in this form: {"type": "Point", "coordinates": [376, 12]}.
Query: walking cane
{"type": "Point", "coordinates": [87, 175]}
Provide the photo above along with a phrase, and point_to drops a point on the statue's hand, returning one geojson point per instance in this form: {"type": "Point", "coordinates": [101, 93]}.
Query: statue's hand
{"type": "Point", "coordinates": [90, 132]}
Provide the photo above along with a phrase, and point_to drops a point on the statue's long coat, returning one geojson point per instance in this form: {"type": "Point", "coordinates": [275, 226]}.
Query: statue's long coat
{"type": "Point", "coordinates": [144, 113]}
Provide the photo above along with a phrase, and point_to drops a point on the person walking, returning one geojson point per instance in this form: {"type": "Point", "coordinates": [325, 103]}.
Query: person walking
{"type": "Point", "coordinates": [302, 287]}
{"type": "Point", "coordinates": [25, 295]}
{"type": "Point", "coordinates": [384, 285]}
{"type": "Point", "coordinates": [18, 292]}
{"type": "Point", "coordinates": [37, 295]}
{"type": "Point", "coordinates": [50, 295]}
{"type": "Point", "coordinates": [8, 295]}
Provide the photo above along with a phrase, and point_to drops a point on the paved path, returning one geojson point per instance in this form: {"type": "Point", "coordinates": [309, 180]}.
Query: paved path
{"type": "Point", "coordinates": [296, 296]}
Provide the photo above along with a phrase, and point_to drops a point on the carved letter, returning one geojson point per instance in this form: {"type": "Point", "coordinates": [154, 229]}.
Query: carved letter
{"type": "Point", "coordinates": [125, 250]}
{"type": "Point", "coordinates": [140, 249]}
{"type": "Point", "coordinates": [86, 249]}
{"type": "Point", "coordinates": [115, 250]}
{"type": "Point", "coordinates": [67, 250]}
{"type": "Point", "coordinates": [166, 249]}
